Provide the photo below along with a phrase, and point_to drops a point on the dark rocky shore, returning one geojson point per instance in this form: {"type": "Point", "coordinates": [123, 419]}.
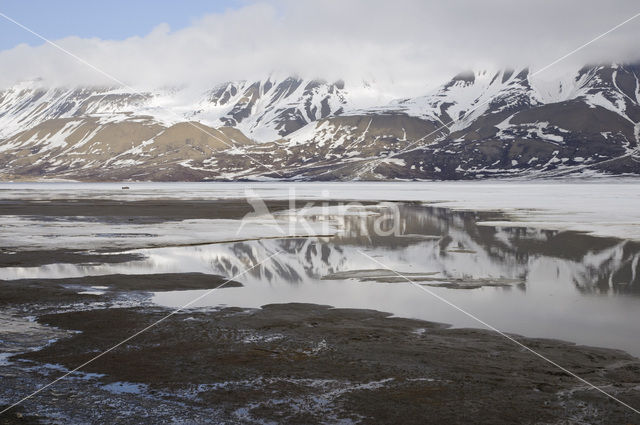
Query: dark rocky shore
{"type": "Point", "coordinates": [303, 363]}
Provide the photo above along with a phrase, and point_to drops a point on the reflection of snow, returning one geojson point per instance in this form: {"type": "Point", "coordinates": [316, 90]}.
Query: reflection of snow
{"type": "Point", "coordinates": [79, 233]}
{"type": "Point", "coordinates": [445, 247]}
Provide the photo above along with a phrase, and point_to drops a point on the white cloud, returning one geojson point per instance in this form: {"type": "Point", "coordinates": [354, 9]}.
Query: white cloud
{"type": "Point", "coordinates": [406, 46]}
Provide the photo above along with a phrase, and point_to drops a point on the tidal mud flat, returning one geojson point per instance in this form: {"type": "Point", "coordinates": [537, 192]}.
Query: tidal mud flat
{"type": "Point", "coordinates": [282, 363]}
{"type": "Point", "coordinates": [302, 363]}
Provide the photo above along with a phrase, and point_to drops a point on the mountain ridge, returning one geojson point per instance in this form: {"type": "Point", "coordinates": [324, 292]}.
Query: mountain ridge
{"type": "Point", "coordinates": [478, 124]}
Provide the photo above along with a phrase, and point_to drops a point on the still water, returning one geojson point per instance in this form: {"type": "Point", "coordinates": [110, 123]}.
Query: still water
{"type": "Point", "coordinates": [537, 283]}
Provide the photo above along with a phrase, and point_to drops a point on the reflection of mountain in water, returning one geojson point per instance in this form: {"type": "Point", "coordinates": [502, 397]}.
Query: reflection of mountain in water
{"type": "Point", "coordinates": [451, 244]}
{"type": "Point", "coordinates": [434, 246]}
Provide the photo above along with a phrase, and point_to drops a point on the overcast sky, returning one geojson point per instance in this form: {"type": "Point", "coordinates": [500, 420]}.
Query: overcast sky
{"type": "Point", "coordinates": [406, 46]}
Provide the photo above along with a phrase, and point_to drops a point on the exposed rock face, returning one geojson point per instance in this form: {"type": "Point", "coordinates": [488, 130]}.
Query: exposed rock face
{"type": "Point", "coordinates": [479, 124]}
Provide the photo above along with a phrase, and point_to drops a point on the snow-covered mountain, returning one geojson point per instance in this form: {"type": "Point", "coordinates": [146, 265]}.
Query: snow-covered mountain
{"type": "Point", "coordinates": [264, 110]}
{"type": "Point", "coordinates": [470, 95]}
{"type": "Point", "coordinates": [478, 124]}
{"type": "Point", "coordinates": [270, 109]}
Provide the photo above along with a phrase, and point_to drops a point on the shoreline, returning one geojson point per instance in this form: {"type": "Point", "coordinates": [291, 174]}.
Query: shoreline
{"type": "Point", "coordinates": [277, 361]}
